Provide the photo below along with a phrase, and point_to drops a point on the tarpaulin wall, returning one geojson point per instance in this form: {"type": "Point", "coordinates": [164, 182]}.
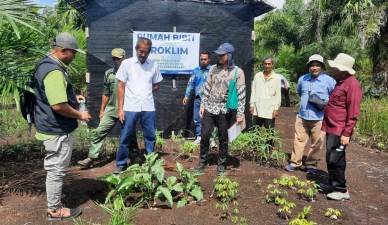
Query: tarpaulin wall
{"type": "Point", "coordinates": [111, 23]}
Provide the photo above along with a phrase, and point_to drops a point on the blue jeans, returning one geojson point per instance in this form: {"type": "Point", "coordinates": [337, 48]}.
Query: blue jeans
{"type": "Point", "coordinates": [147, 120]}
{"type": "Point", "coordinates": [196, 117]}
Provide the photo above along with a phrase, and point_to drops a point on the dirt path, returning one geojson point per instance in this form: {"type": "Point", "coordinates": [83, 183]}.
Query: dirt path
{"type": "Point", "coordinates": [367, 173]}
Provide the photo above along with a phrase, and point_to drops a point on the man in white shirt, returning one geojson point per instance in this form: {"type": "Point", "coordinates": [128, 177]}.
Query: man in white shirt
{"type": "Point", "coordinates": [137, 78]}
{"type": "Point", "coordinates": [266, 96]}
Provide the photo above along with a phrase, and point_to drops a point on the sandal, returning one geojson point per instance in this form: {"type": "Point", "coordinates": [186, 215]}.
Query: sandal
{"type": "Point", "coordinates": [58, 214]}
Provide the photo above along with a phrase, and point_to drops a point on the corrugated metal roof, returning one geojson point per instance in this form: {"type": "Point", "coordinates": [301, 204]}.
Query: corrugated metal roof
{"type": "Point", "coordinates": [261, 6]}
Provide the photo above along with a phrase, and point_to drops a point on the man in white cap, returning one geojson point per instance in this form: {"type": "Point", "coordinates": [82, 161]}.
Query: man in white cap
{"type": "Point", "coordinates": [340, 118]}
{"type": "Point", "coordinates": [314, 90]}
{"type": "Point", "coordinates": [108, 111]}
{"type": "Point", "coordinates": [56, 113]}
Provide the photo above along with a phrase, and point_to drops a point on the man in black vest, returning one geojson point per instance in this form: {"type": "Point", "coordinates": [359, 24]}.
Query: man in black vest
{"type": "Point", "coordinates": [56, 117]}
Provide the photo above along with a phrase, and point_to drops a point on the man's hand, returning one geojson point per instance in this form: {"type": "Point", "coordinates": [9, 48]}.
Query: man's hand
{"type": "Point", "coordinates": [185, 99]}
{"type": "Point", "coordinates": [120, 116]}
{"type": "Point", "coordinates": [201, 111]}
{"type": "Point", "coordinates": [101, 114]}
{"type": "Point", "coordinates": [80, 98]}
{"type": "Point", "coordinates": [345, 140]}
{"type": "Point", "coordinates": [239, 119]}
{"type": "Point", "coordinates": [85, 116]}
{"type": "Point", "coordinates": [252, 110]}
{"type": "Point", "coordinates": [275, 114]}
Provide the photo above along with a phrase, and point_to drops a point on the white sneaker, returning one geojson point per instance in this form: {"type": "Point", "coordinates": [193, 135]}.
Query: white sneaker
{"type": "Point", "coordinates": [338, 195]}
{"type": "Point", "coordinates": [197, 140]}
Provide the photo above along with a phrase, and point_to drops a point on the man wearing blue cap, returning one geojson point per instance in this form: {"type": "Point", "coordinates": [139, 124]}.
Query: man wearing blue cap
{"type": "Point", "coordinates": [215, 108]}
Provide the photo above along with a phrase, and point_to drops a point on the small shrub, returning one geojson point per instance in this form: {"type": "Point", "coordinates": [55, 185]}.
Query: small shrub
{"type": "Point", "coordinates": [255, 144]}
{"type": "Point", "coordinates": [187, 149]}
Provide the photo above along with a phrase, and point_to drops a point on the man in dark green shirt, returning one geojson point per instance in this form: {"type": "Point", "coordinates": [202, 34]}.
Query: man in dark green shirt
{"type": "Point", "coordinates": [108, 110]}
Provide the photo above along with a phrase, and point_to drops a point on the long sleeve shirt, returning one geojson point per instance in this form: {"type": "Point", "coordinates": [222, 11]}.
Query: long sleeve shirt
{"type": "Point", "coordinates": [110, 90]}
{"type": "Point", "coordinates": [196, 81]}
{"type": "Point", "coordinates": [265, 95]}
{"type": "Point", "coordinates": [215, 91]}
{"type": "Point", "coordinates": [284, 82]}
{"type": "Point", "coordinates": [343, 109]}
{"type": "Point", "coordinates": [322, 86]}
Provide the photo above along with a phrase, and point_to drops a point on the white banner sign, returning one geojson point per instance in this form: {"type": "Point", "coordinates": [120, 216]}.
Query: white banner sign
{"type": "Point", "coordinates": [176, 53]}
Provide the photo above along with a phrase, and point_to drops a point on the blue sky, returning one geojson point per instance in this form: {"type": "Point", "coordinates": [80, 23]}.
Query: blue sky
{"type": "Point", "coordinates": [45, 2]}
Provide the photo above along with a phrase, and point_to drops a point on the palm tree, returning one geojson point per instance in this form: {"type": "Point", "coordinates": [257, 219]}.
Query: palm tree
{"type": "Point", "coordinates": [17, 12]}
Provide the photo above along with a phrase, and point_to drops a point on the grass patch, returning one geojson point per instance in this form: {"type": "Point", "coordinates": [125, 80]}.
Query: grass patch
{"type": "Point", "coordinates": [372, 127]}
{"type": "Point", "coordinates": [12, 123]}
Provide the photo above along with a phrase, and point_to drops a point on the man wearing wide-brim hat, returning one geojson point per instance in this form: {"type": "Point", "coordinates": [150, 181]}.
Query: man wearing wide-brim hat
{"type": "Point", "coordinates": [314, 89]}
{"type": "Point", "coordinates": [340, 118]}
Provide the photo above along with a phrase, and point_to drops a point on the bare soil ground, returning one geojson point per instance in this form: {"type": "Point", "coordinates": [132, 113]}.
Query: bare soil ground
{"type": "Point", "coordinates": [23, 201]}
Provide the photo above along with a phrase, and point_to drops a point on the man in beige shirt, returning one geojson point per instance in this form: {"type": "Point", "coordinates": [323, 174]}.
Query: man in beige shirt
{"type": "Point", "coordinates": [265, 96]}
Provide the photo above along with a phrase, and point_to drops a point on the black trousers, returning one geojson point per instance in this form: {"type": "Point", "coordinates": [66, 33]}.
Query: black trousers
{"type": "Point", "coordinates": [222, 122]}
{"type": "Point", "coordinates": [286, 95]}
{"type": "Point", "coordinates": [336, 170]}
{"type": "Point", "coordinates": [264, 122]}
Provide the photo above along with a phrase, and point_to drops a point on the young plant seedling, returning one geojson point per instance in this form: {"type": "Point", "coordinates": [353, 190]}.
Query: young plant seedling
{"type": "Point", "coordinates": [225, 191]}
{"type": "Point", "coordinates": [333, 214]}
{"type": "Point", "coordinates": [273, 192]}
{"type": "Point", "coordinates": [187, 149]}
{"type": "Point", "coordinates": [159, 140]}
{"type": "Point", "coordinates": [286, 207]}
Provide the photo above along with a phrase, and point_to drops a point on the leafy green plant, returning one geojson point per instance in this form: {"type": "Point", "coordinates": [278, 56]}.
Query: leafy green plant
{"type": "Point", "coordinates": [191, 190]}
{"type": "Point", "coordinates": [148, 180]}
{"type": "Point", "coordinates": [288, 181]}
{"type": "Point", "coordinates": [308, 189]}
{"type": "Point", "coordinates": [225, 191]}
{"type": "Point", "coordinates": [159, 140]}
{"type": "Point", "coordinates": [255, 144]}
{"type": "Point", "coordinates": [286, 207]}
{"type": "Point", "coordinates": [298, 221]}
{"type": "Point", "coordinates": [187, 149]}
{"type": "Point", "coordinates": [301, 219]}
{"type": "Point", "coordinates": [333, 214]}
{"type": "Point", "coordinates": [274, 192]}
{"type": "Point", "coordinates": [120, 214]}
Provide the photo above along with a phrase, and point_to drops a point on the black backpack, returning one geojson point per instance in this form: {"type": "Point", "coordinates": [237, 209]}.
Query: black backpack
{"type": "Point", "coordinates": [27, 103]}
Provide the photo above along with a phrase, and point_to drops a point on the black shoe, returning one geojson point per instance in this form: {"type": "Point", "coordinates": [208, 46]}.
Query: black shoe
{"type": "Point", "coordinates": [200, 167]}
{"type": "Point", "coordinates": [325, 188]}
{"type": "Point", "coordinates": [221, 170]}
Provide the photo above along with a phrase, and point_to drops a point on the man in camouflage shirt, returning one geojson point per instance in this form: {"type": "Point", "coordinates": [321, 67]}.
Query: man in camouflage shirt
{"type": "Point", "coordinates": [108, 110]}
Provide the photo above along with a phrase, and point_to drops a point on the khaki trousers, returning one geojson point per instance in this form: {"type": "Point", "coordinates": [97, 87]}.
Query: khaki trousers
{"type": "Point", "coordinates": [305, 130]}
